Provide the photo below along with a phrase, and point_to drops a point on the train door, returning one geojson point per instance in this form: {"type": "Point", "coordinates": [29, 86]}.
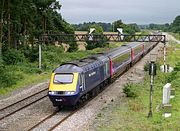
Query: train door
{"type": "Point", "coordinates": [82, 82]}
{"type": "Point", "coordinates": [107, 69]}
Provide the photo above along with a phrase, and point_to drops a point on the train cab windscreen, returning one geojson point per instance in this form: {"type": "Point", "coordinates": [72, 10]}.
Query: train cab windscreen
{"type": "Point", "coordinates": [63, 78]}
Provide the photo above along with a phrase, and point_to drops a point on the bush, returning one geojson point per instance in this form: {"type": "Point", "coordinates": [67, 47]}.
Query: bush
{"type": "Point", "coordinates": [146, 66]}
{"type": "Point", "coordinates": [31, 53]}
{"type": "Point", "coordinates": [177, 67]}
{"type": "Point", "coordinates": [130, 90]}
{"type": "Point", "coordinates": [7, 77]}
{"type": "Point", "coordinates": [174, 75]}
{"type": "Point", "coordinates": [92, 45]}
{"type": "Point", "coordinates": [73, 46]}
{"type": "Point", "coordinates": [13, 56]}
{"type": "Point", "coordinates": [52, 48]}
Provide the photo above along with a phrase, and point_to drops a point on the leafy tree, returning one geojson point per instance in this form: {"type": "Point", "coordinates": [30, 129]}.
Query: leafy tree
{"type": "Point", "coordinates": [28, 19]}
{"type": "Point", "coordinates": [85, 26]}
{"type": "Point", "coordinates": [127, 28]}
{"type": "Point", "coordinates": [175, 26]}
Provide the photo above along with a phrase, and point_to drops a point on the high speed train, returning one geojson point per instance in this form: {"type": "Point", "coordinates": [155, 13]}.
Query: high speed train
{"type": "Point", "coordinates": [74, 82]}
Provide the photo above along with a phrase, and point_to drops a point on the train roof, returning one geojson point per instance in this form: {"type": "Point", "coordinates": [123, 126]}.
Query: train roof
{"type": "Point", "coordinates": [120, 50]}
{"type": "Point", "coordinates": [82, 65]}
{"type": "Point", "coordinates": [67, 68]}
{"type": "Point", "coordinates": [133, 44]}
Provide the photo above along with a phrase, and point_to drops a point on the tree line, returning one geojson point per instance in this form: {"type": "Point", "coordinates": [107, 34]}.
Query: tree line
{"type": "Point", "coordinates": [173, 27]}
{"type": "Point", "coordinates": [22, 21]}
{"type": "Point", "coordinates": [105, 27]}
{"type": "Point", "coordinates": [108, 27]}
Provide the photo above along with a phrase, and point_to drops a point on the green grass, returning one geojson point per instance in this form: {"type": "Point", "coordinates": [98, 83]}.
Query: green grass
{"type": "Point", "coordinates": [176, 35]}
{"type": "Point", "coordinates": [28, 79]}
{"type": "Point", "coordinates": [130, 114]}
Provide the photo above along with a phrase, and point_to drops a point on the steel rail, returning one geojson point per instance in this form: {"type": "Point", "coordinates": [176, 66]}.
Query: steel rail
{"type": "Point", "coordinates": [22, 99]}
{"type": "Point", "coordinates": [13, 112]}
{"type": "Point", "coordinates": [40, 122]}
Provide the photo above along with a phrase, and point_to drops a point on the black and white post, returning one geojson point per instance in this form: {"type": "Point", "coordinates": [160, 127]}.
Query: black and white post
{"type": "Point", "coordinates": [152, 73]}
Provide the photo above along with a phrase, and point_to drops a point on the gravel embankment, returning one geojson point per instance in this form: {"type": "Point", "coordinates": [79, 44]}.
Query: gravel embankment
{"type": "Point", "coordinates": [21, 93]}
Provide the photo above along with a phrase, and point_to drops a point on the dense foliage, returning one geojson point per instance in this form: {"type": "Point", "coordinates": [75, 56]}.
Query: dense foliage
{"type": "Point", "coordinates": [28, 19]}
{"type": "Point", "coordinates": [99, 42]}
{"type": "Point", "coordinates": [128, 28]}
{"type": "Point", "coordinates": [85, 26]}
{"type": "Point", "coordinates": [21, 24]}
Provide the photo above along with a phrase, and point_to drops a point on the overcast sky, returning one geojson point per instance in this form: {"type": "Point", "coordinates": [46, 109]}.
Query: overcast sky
{"type": "Point", "coordinates": [129, 11]}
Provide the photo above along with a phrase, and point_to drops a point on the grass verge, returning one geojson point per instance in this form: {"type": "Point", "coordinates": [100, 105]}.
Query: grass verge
{"type": "Point", "coordinates": [176, 35]}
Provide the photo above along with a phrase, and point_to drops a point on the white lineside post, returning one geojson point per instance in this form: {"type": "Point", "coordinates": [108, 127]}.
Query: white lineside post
{"type": "Point", "coordinates": [166, 94]}
{"type": "Point", "coordinates": [164, 57]}
{"type": "Point", "coordinates": [40, 56]}
{"type": "Point", "coordinates": [167, 107]}
{"type": "Point", "coordinates": [164, 53]}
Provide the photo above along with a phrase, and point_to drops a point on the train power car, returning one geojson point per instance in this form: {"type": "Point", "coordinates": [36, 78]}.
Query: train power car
{"type": "Point", "coordinates": [72, 81]}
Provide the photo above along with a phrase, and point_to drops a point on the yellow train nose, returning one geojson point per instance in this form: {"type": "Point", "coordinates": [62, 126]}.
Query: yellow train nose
{"type": "Point", "coordinates": [63, 82]}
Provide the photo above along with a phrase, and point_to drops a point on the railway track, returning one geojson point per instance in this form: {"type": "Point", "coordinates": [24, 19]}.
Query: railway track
{"type": "Point", "coordinates": [49, 117]}
{"type": "Point", "coordinates": [23, 103]}
{"type": "Point", "coordinates": [64, 118]}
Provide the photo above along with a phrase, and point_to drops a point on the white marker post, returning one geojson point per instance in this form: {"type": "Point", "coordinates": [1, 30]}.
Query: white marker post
{"type": "Point", "coordinates": [40, 56]}
{"type": "Point", "coordinates": [166, 94]}
{"type": "Point", "coordinates": [167, 107]}
{"type": "Point", "coordinates": [165, 69]}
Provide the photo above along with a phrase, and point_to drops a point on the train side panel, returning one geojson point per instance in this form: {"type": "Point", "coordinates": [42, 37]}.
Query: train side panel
{"type": "Point", "coordinates": [119, 61]}
{"type": "Point", "coordinates": [96, 76]}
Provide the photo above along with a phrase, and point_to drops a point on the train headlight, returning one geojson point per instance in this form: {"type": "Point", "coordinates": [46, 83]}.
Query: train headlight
{"type": "Point", "coordinates": [52, 92]}
{"type": "Point", "coordinates": [70, 92]}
